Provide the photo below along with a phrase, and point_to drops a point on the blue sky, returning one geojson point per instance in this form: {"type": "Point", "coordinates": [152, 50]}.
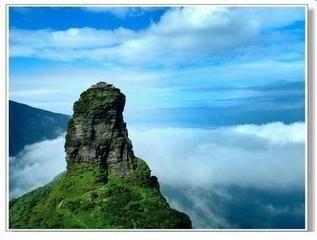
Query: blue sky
{"type": "Point", "coordinates": [192, 66]}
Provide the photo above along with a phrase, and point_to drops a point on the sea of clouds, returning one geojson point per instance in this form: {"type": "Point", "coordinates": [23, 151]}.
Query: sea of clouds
{"type": "Point", "coordinates": [214, 174]}
{"type": "Point", "coordinates": [262, 156]}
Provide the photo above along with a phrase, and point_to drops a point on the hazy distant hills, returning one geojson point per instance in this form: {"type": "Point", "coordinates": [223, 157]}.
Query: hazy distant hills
{"type": "Point", "coordinates": [28, 125]}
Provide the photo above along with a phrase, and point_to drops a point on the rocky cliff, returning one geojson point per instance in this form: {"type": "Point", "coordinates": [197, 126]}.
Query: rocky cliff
{"type": "Point", "coordinates": [105, 185]}
{"type": "Point", "coordinates": [97, 132]}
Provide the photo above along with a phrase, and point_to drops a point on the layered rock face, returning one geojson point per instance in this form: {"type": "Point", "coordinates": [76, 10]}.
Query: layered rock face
{"type": "Point", "coordinates": [97, 132]}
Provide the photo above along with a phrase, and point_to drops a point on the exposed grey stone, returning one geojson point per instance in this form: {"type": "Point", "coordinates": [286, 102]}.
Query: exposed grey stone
{"type": "Point", "coordinates": [97, 132]}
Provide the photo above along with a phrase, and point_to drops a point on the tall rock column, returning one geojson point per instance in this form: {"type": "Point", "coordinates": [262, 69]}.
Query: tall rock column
{"type": "Point", "coordinates": [97, 133]}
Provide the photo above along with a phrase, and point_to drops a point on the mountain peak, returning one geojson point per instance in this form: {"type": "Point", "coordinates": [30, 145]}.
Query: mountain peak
{"type": "Point", "coordinates": [97, 133]}
{"type": "Point", "coordinates": [103, 85]}
{"type": "Point", "coordinates": [105, 185]}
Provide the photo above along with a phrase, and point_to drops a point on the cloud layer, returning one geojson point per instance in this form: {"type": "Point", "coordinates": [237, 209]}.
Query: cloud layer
{"type": "Point", "coordinates": [35, 165]}
{"type": "Point", "coordinates": [268, 156]}
{"type": "Point", "coordinates": [188, 59]}
{"type": "Point", "coordinates": [122, 12]}
{"type": "Point", "coordinates": [193, 34]}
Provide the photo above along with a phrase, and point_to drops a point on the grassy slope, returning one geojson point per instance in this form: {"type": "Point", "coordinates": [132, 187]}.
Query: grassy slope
{"type": "Point", "coordinates": [83, 198]}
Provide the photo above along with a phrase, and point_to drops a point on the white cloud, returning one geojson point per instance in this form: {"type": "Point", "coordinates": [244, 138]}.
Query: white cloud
{"type": "Point", "coordinates": [275, 133]}
{"type": "Point", "coordinates": [70, 44]}
{"type": "Point", "coordinates": [150, 89]}
{"type": "Point", "coordinates": [273, 17]}
{"type": "Point", "coordinates": [36, 165]}
{"type": "Point", "coordinates": [183, 35]}
{"type": "Point", "coordinates": [264, 156]}
{"type": "Point", "coordinates": [122, 12]}
{"type": "Point", "coordinates": [125, 58]}
{"type": "Point", "coordinates": [71, 38]}
{"type": "Point", "coordinates": [269, 156]}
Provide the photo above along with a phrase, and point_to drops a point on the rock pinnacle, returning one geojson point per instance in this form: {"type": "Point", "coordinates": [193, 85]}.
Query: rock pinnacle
{"type": "Point", "coordinates": [97, 133]}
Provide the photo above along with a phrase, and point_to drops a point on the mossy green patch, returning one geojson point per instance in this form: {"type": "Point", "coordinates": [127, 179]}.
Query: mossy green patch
{"type": "Point", "coordinates": [96, 100]}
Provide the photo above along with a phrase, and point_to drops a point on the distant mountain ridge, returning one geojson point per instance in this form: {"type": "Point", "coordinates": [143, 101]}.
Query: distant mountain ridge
{"type": "Point", "coordinates": [28, 125]}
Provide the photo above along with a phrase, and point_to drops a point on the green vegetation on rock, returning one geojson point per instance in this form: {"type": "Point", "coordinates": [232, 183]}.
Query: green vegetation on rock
{"type": "Point", "coordinates": [94, 101]}
{"type": "Point", "coordinates": [82, 199]}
